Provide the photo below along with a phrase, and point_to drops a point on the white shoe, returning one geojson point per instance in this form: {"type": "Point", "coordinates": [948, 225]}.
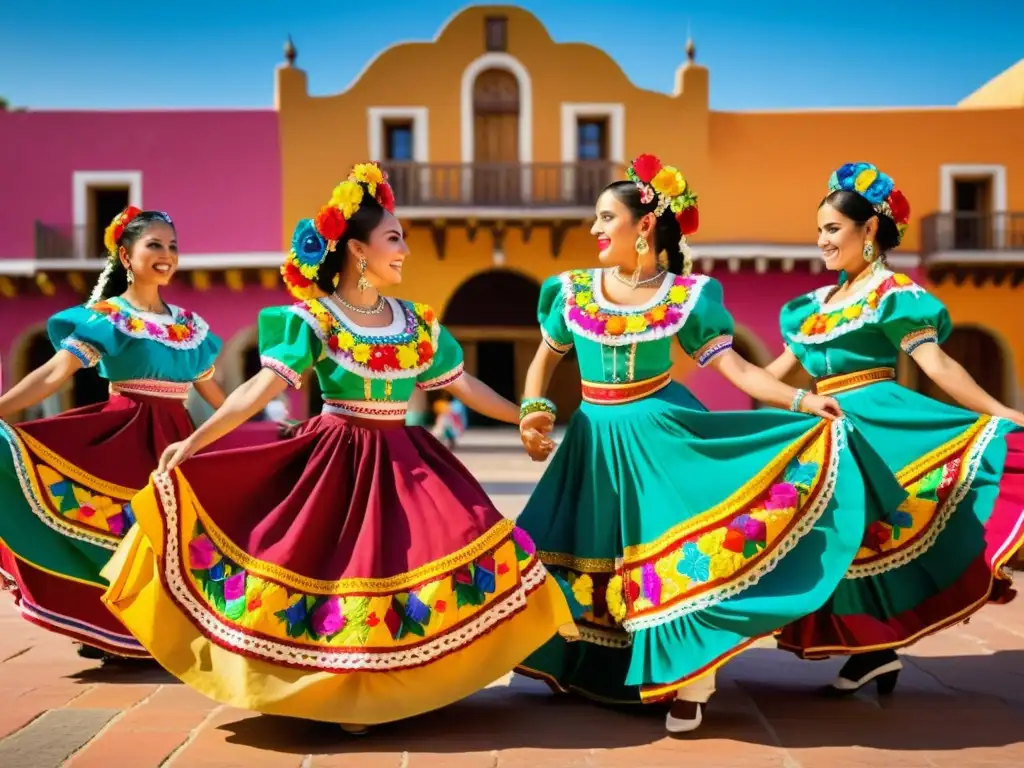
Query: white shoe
{"type": "Point", "coordinates": [675, 724]}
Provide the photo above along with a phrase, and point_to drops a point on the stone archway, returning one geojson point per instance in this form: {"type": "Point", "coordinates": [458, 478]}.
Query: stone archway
{"type": "Point", "coordinates": [493, 315]}
{"type": "Point", "coordinates": [984, 355]}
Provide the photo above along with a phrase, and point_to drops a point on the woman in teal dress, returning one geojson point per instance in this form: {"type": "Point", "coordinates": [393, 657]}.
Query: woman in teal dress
{"type": "Point", "coordinates": [937, 557]}
{"type": "Point", "coordinates": [681, 536]}
{"type": "Point", "coordinates": [357, 574]}
{"type": "Point", "coordinates": [66, 482]}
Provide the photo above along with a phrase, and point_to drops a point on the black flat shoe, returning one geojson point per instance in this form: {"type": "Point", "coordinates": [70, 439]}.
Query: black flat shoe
{"type": "Point", "coordinates": [882, 667]}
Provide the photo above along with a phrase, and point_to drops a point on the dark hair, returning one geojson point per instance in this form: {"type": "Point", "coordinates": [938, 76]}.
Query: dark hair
{"type": "Point", "coordinates": [359, 227]}
{"type": "Point", "coordinates": [666, 229]}
{"type": "Point", "coordinates": [113, 280]}
{"type": "Point", "coordinates": [856, 208]}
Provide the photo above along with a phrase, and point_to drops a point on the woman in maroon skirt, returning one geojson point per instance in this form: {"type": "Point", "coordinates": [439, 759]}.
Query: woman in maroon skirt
{"type": "Point", "coordinates": [66, 482]}
{"type": "Point", "coordinates": [355, 573]}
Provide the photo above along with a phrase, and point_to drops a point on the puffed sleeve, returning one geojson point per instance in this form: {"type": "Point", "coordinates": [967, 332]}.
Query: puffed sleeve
{"type": "Point", "coordinates": [708, 329]}
{"type": "Point", "coordinates": [910, 318]}
{"type": "Point", "coordinates": [288, 344]}
{"type": "Point", "coordinates": [84, 333]}
{"type": "Point", "coordinates": [446, 365]}
{"type": "Point", "coordinates": [551, 316]}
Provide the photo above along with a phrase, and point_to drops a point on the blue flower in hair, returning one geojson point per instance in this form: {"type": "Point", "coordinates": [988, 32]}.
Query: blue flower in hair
{"type": "Point", "coordinates": [864, 179]}
{"type": "Point", "coordinates": [307, 244]}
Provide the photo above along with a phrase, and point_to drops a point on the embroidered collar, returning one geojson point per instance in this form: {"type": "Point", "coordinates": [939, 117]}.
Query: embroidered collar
{"type": "Point", "coordinates": [589, 314]}
{"type": "Point", "coordinates": [401, 350]}
{"type": "Point", "coordinates": [180, 329]}
{"type": "Point", "coordinates": [825, 323]}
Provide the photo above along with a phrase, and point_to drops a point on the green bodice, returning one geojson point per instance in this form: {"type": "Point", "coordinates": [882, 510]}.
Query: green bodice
{"type": "Point", "coordinates": [621, 344]}
{"type": "Point", "coordinates": [125, 343]}
{"type": "Point", "coordinates": [888, 313]}
{"type": "Point", "coordinates": [354, 363]}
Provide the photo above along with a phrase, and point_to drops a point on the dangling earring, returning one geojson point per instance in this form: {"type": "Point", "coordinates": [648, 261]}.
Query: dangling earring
{"type": "Point", "coordinates": [642, 248]}
{"type": "Point", "coordinates": [130, 273]}
{"type": "Point", "coordinates": [363, 283]}
{"type": "Point", "coordinates": [869, 251]}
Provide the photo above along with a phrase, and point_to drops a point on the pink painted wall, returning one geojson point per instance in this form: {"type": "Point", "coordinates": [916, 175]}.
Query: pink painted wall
{"type": "Point", "coordinates": [755, 301]}
{"type": "Point", "coordinates": [217, 173]}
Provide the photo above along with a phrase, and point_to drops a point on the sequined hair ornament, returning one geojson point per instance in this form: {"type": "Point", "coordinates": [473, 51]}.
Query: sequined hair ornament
{"type": "Point", "coordinates": [112, 240]}
{"type": "Point", "coordinates": [667, 185]}
{"type": "Point", "coordinates": [877, 188]}
{"type": "Point", "coordinates": [314, 238]}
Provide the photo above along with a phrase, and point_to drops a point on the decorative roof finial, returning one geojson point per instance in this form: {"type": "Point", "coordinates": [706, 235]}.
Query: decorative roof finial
{"type": "Point", "coordinates": [289, 52]}
{"type": "Point", "coordinates": [691, 49]}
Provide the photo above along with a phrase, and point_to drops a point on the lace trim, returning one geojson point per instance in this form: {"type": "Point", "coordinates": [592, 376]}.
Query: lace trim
{"type": "Point", "coordinates": [915, 339]}
{"type": "Point", "coordinates": [533, 576]}
{"type": "Point", "coordinates": [287, 373]}
{"type": "Point", "coordinates": [712, 349]}
{"type": "Point", "coordinates": [868, 314]}
{"type": "Point", "coordinates": [207, 374]}
{"type": "Point", "coordinates": [555, 346]}
{"type": "Point", "coordinates": [804, 526]}
{"type": "Point", "coordinates": [900, 557]}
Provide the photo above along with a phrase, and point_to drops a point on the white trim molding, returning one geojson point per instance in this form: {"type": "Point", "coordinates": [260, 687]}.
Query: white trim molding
{"type": "Point", "coordinates": [509, 63]}
{"type": "Point", "coordinates": [571, 114]}
{"type": "Point", "coordinates": [81, 182]}
{"type": "Point", "coordinates": [949, 173]}
{"type": "Point", "coordinates": [419, 116]}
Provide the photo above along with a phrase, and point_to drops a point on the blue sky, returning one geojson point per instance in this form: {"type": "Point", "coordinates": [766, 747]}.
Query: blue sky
{"type": "Point", "coordinates": [97, 54]}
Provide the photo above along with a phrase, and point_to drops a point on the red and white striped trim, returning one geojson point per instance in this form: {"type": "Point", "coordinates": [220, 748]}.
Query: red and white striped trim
{"type": "Point", "coordinates": [362, 409]}
{"type": "Point", "coordinates": [444, 380]}
{"type": "Point", "coordinates": [293, 378]}
{"type": "Point", "coordinates": [173, 390]}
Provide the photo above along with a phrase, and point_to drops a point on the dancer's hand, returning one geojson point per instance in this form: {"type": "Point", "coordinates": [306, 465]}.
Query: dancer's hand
{"type": "Point", "coordinates": [174, 454]}
{"type": "Point", "coordinates": [826, 407]}
{"type": "Point", "coordinates": [534, 431]}
{"type": "Point", "coordinates": [1015, 416]}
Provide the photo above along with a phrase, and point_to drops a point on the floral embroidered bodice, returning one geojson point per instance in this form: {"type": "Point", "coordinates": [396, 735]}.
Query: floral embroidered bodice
{"type": "Point", "coordinates": [621, 344]}
{"type": "Point", "coordinates": [356, 363]}
{"type": "Point", "coordinates": [889, 312]}
{"type": "Point", "coordinates": [126, 343]}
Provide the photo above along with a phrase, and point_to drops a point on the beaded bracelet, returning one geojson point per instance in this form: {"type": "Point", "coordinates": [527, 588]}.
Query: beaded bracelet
{"type": "Point", "coordinates": [536, 405]}
{"type": "Point", "coordinates": [798, 399]}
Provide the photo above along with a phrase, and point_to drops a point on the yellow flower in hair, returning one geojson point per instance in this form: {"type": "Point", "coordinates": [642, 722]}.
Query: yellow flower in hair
{"type": "Point", "coordinates": [865, 179]}
{"type": "Point", "coordinates": [108, 238]}
{"type": "Point", "coordinates": [669, 182]}
{"type": "Point", "coordinates": [347, 197]}
{"type": "Point", "coordinates": [369, 174]}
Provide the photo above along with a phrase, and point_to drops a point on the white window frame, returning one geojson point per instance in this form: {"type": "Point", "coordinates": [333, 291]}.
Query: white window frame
{"type": "Point", "coordinates": [950, 172]}
{"type": "Point", "coordinates": [614, 113]}
{"type": "Point", "coordinates": [378, 117]}
{"type": "Point", "coordinates": [81, 182]}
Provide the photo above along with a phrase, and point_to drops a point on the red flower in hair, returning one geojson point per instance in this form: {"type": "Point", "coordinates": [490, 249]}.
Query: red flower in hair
{"type": "Point", "coordinates": [646, 167]}
{"type": "Point", "coordinates": [899, 206]}
{"type": "Point", "coordinates": [330, 223]}
{"type": "Point", "coordinates": [689, 220]}
{"type": "Point", "coordinates": [386, 197]}
{"type": "Point", "coordinates": [293, 276]}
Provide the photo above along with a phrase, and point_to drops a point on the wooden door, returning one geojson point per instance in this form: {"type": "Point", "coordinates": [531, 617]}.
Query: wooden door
{"type": "Point", "coordinates": [496, 175]}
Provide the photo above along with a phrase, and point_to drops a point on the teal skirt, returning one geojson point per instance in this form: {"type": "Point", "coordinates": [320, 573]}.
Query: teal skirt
{"type": "Point", "coordinates": [937, 557]}
{"type": "Point", "coordinates": [682, 536]}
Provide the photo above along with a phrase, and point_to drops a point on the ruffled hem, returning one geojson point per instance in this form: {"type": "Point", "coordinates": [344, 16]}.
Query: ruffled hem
{"type": "Point", "coordinates": [234, 668]}
{"type": "Point", "coordinates": [984, 580]}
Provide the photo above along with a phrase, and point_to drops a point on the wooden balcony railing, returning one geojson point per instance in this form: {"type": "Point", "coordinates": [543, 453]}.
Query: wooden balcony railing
{"type": "Point", "coordinates": [54, 241]}
{"type": "Point", "coordinates": [989, 232]}
{"type": "Point", "coordinates": [500, 185]}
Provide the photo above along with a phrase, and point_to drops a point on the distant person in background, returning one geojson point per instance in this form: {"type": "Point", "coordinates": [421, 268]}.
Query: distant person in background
{"type": "Point", "coordinates": [450, 421]}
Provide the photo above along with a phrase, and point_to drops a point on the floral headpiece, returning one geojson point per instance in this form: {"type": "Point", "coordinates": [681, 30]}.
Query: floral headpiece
{"type": "Point", "coordinates": [667, 185]}
{"type": "Point", "coordinates": [875, 187]}
{"type": "Point", "coordinates": [112, 234]}
{"type": "Point", "coordinates": [314, 238]}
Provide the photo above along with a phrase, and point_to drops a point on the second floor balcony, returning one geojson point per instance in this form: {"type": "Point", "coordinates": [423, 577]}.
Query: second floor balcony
{"type": "Point", "coordinates": [522, 190]}
{"type": "Point", "coordinates": [966, 238]}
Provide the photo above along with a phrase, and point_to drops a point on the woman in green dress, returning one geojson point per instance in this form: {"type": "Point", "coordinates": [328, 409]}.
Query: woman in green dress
{"type": "Point", "coordinates": [680, 536]}
{"type": "Point", "coordinates": [937, 557]}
